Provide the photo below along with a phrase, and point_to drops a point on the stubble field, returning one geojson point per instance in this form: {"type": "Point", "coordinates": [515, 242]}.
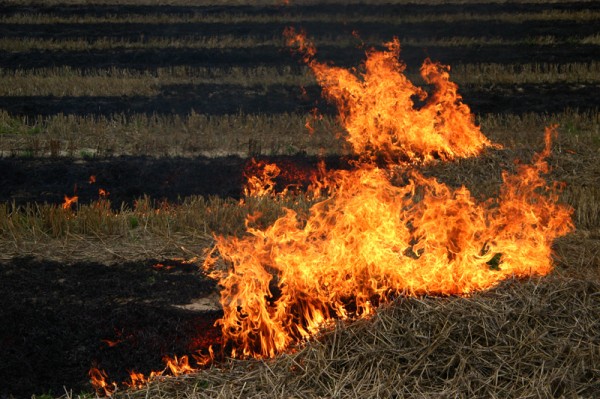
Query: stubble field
{"type": "Point", "coordinates": [165, 104]}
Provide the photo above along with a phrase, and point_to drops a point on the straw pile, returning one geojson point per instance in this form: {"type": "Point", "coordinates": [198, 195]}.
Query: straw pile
{"type": "Point", "coordinates": [535, 338]}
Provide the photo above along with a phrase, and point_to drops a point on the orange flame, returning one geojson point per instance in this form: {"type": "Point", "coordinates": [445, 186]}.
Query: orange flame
{"type": "Point", "coordinates": [137, 380]}
{"type": "Point", "coordinates": [103, 193]}
{"type": "Point", "coordinates": [111, 343]}
{"type": "Point", "coordinates": [69, 202]}
{"type": "Point", "coordinates": [98, 380]}
{"type": "Point", "coordinates": [378, 111]}
{"type": "Point", "coordinates": [262, 183]}
{"type": "Point", "coordinates": [372, 240]}
{"type": "Point", "coordinates": [178, 366]}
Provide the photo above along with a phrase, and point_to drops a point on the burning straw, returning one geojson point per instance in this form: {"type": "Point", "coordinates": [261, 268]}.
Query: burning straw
{"type": "Point", "coordinates": [371, 241]}
{"type": "Point", "coordinates": [532, 339]}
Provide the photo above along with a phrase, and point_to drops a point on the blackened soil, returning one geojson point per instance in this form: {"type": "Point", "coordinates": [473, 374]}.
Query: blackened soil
{"type": "Point", "coordinates": [55, 317]}
{"type": "Point", "coordinates": [178, 99]}
{"type": "Point", "coordinates": [273, 56]}
{"type": "Point", "coordinates": [128, 178]}
{"type": "Point", "coordinates": [231, 99]}
{"type": "Point", "coordinates": [108, 10]}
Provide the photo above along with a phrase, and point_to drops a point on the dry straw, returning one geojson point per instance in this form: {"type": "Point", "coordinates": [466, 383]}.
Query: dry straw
{"type": "Point", "coordinates": [525, 339]}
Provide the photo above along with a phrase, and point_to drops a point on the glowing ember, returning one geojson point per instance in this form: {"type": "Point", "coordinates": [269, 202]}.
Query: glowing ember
{"type": "Point", "coordinates": [111, 343]}
{"type": "Point", "coordinates": [372, 240]}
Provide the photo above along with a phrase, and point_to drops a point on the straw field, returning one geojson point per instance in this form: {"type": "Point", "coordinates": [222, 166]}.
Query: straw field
{"type": "Point", "coordinates": [149, 113]}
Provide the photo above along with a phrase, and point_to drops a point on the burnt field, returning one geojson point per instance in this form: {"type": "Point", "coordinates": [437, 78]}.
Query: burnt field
{"type": "Point", "coordinates": [151, 115]}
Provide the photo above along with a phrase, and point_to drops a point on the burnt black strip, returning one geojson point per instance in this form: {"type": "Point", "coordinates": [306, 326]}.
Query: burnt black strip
{"type": "Point", "coordinates": [67, 10]}
{"type": "Point", "coordinates": [413, 56]}
{"type": "Point", "coordinates": [55, 316]}
{"type": "Point", "coordinates": [501, 29]}
{"type": "Point", "coordinates": [277, 99]}
{"type": "Point", "coordinates": [127, 178]}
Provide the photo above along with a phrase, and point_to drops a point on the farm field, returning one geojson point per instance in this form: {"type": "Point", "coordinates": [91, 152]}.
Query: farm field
{"type": "Point", "coordinates": [150, 114]}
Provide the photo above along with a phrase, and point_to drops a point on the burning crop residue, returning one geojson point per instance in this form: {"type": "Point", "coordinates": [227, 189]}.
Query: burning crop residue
{"type": "Point", "coordinates": [377, 108]}
{"type": "Point", "coordinates": [367, 240]}
{"type": "Point", "coordinates": [370, 240]}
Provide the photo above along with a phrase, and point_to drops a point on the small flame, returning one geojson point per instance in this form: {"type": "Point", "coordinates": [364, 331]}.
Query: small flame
{"type": "Point", "coordinates": [137, 380]}
{"type": "Point", "coordinates": [262, 181]}
{"type": "Point", "coordinates": [162, 266]}
{"type": "Point", "coordinates": [103, 193]}
{"type": "Point", "coordinates": [98, 380]}
{"type": "Point", "coordinates": [111, 343]}
{"type": "Point", "coordinates": [176, 365]}
{"type": "Point", "coordinates": [69, 202]}
{"type": "Point", "coordinates": [179, 366]}
{"type": "Point", "coordinates": [92, 179]}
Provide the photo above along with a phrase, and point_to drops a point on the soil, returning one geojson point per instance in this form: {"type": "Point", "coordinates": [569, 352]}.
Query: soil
{"type": "Point", "coordinates": [273, 56]}
{"type": "Point", "coordinates": [55, 316]}
{"type": "Point", "coordinates": [231, 99]}
{"type": "Point", "coordinates": [47, 180]}
{"type": "Point", "coordinates": [58, 320]}
{"type": "Point", "coordinates": [295, 9]}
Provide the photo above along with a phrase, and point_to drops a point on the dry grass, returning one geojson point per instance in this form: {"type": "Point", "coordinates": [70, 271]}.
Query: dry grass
{"type": "Point", "coordinates": [166, 135]}
{"type": "Point", "coordinates": [525, 339]}
{"type": "Point", "coordinates": [66, 81]}
{"type": "Point", "coordinates": [152, 229]}
{"type": "Point", "coordinates": [493, 73]}
{"type": "Point", "coordinates": [236, 42]}
{"type": "Point", "coordinates": [241, 134]}
{"type": "Point", "coordinates": [209, 42]}
{"type": "Point", "coordinates": [229, 17]}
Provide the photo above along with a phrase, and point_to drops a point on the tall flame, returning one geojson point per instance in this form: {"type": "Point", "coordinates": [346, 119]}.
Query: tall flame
{"type": "Point", "coordinates": [371, 240]}
{"type": "Point", "coordinates": [377, 107]}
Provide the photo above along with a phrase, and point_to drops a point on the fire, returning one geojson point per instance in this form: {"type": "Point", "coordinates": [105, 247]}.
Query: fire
{"type": "Point", "coordinates": [176, 366]}
{"type": "Point", "coordinates": [179, 366]}
{"type": "Point", "coordinates": [269, 179]}
{"type": "Point", "coordinates": [378, 111]}
{"type": "Point", "coordinates": [69, 202]}
{"type": "Point", "coordinates": [137, 380]}
{"type": "Point", "coordinates": [111, 343]}
{"type": "Point", "coordinates": [261, 181]}
{"type": "Point", "coordinates": [372, 240]}
{"type": "Point", "coordinates": [98, 379]}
